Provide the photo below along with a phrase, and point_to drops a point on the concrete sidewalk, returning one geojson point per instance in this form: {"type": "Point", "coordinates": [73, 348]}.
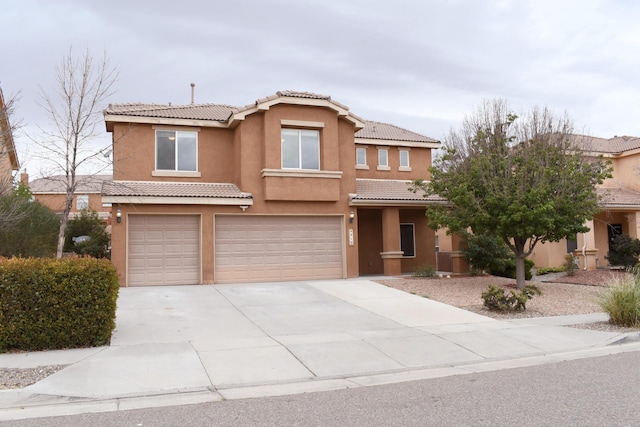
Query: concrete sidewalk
{"type": "Point", "coordinates": [193, 344]}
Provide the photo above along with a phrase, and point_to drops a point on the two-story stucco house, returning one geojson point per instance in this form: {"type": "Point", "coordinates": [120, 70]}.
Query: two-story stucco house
{"type": "Point", "coordinates": [8, 155]}
{"type": "Point", "coordinates": [291, 187]}
{"type": "Point", "coordinates": [619, 205]}
{"type": "Point", "coordinates": [52, 193]}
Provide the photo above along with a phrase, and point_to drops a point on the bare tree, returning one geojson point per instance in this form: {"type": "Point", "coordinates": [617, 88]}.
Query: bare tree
{"type": "Point", "coordinates": [75, 109]}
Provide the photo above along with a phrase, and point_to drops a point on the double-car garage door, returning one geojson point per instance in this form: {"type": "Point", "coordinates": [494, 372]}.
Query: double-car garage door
{"type": "Point", "coordinates": [165, 249]}
{"type": "Point", "coordinates": [272, 248]}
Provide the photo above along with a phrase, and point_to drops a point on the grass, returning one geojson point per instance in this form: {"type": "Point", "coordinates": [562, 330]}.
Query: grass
{"type": "Point", "coordinates": [622, 301]}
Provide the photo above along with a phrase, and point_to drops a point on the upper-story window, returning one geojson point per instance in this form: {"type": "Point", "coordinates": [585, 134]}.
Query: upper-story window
{"type": "Point", "coordinates": [82, 202]}
{"type": "Point", "coordinates": [361, 156]}
{"type": "Point", "coordinates": [383, 159]}
{"type": "Point", "coordinates": [404, 159]}
{"type": "Point", "coordinates": [176, 150]}
{"type": "Point", "coordinates": [300, 149]}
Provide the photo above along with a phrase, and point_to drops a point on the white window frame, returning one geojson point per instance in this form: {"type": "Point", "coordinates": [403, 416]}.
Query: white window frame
{"type": "Point", "coordinates": [361, 165]}
{"type": "Point", "coordinates": [177, 134]}
{"type": "Point", "coordinates": [299, 167]}
{"type": "Point", "coordinates": [383, 154]}
{"type": "Point", "coordinates": [85, 202]}
{"type": "Point", "coordinates": [413, 237]}
{"type": "Point", "coordinates": [407, 166]}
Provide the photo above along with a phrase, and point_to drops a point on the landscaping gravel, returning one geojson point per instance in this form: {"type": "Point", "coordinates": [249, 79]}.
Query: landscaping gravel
{"type": "Point", "coordinates": [561, 295]}
{"type": "Point", "coordinates": [19, 378]}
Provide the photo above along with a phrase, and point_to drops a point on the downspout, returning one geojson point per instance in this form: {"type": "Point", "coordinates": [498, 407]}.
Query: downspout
{"type": "Point", "coordinates": [584, 250]}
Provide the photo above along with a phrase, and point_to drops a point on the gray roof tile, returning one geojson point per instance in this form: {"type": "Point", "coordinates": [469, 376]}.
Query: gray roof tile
{"type": "Point", "coordinates": [611, 197]}
{"type": "Point", "coordinates": [215, 112]}
{"type": "Point", "coordinates": [389, 190]}
{"type": "Point", "coordinates": [385, 131]}
{"type": "Point", "coordinates": [172, 189]}
{"type": "Point", "coordinates": [222, 113]}
{"type": "Point", "coordinates": [58, 184]}
{"type": "Point", "coordinates": [617, 144]}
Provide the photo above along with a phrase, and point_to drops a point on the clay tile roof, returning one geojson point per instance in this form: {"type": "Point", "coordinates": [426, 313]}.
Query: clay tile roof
{"type": "Point", "coordinates": [612, 197]}
{"type": "Point", "coordinates": [214, 112]}
{"type": "Point", "coordinates": [389, 190]}
{"type": "Point", "coordinates": [385, 131]}
{"type": "Point", "coordinates": [617, 144]}
{"type": "Point", "coordinates": [58, 184]}
{"type": "Point", "coordinates": [296, 94]}
{"type": "Point", "coordinates": [172, 189]}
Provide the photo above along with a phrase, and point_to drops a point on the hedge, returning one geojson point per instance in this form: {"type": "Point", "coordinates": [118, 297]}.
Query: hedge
{"type": "Point", "coordinates": [48, 304]}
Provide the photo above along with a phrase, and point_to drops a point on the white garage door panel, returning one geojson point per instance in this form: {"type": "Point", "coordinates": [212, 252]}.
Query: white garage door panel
{"type": "Point", "coordinates": [163, 250]}
{"type": "Point", "coordinates": [271, 248]}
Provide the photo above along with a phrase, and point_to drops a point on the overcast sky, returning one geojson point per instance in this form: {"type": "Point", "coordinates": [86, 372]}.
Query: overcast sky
{"type": "Point", "coordinates": [421, 64]}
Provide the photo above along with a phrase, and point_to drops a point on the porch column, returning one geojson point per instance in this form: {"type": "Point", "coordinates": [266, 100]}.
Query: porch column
{"type": "Point", "coordinates": [391, 253]}
{"type": "Point", "coordinates": [634, 225]}
{"type": "Point", "coordinates": [587, 251]}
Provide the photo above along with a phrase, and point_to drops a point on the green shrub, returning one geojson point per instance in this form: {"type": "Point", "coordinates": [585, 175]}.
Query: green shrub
{"type": "Point", "coordinates": [486, 253]}
{"type": "Point", "coordinates": [87, 224]}
{"type": "Point", "coordinates": [425, 271]}
{"type": "Point", "coordinates": [50, 304]}
{"type": "Point", "coordinates": [546, 270]}
{"type": "Point", "coordinates": [622, 301]}
{"type": "Point", "coordinates": [509, 269]}
{"type": "Point", "coordinates": [624, 251]}
{"type": "Point", "coordinates": [495, 298]}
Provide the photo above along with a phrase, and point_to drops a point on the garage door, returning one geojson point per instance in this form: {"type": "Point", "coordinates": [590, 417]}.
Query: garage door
{"type": "Point", "coordinates": [273, 248]}
{"type": "Point", "coordinates": [164, 250]}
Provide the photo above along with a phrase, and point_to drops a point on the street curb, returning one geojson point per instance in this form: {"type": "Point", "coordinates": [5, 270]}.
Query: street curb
{"type": "Point", "coordinates": [48, 406]}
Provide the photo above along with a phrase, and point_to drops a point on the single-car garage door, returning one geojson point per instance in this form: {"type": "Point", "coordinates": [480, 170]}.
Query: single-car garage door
{"type": "Point", "coordinates": [164, 250]}
{"type": "Point", "coordinates": [273, 248]}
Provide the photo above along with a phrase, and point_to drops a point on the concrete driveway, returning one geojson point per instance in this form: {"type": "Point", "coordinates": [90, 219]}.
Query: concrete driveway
{"type": "Point", "coordinates": [231, 341]}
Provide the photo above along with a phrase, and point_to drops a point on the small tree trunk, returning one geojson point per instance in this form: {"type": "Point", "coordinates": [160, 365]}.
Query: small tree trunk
{"type": "Point", "coordinates": [520, 273]}
{"type": "Point", "coordinates": [63, 224]}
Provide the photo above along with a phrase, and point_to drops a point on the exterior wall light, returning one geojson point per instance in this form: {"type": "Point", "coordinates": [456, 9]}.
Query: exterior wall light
{"type": "Point", "coordinates": [118, 216]}
{"type": "Point", "coordinates": [244, 207]}
{"type": "Point", "coordinates": [352, 215]}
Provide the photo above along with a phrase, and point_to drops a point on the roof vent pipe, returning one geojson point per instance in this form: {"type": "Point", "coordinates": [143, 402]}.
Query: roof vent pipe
{"type": "Point", "coordinates": [193, 93]}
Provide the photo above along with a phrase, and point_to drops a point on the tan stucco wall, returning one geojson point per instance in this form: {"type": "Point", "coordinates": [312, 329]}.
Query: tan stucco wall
{"type": "Point", "coordinates": [6, 169]}
{"type": "Point", "coordinates": [134, 154]}
{"type": "Point", "coordinates": [419, 161]}
{"type": "Point", "coordinates": [549, 254]}
{"type": "Point", "coordinates": [625, 172]}
{"type": "Point", "coordinates": [425, 241]}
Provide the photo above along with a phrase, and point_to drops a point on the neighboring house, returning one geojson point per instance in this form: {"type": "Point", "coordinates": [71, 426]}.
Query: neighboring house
{"type": "Point", "coordinates": [620, 206]}
{"type": "Point", "coordinates": [8, 155]}
{"type": "Point", "coordinates": [52, 192]}
{"type": "Point", "coordinates": [292, 187]}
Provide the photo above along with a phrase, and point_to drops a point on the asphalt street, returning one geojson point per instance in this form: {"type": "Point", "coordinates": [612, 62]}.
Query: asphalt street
{"type": "Point", "coordinates": [586, 392]}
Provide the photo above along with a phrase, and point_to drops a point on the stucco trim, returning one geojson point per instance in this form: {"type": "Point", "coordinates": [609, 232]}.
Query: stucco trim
{"type": "Point", "coordinates": [392, 254]}
{"type": "Point", "coordinates": [179, 174]}
{"type": "Point", "coordinates": [159, 200]}
{"type": "Point", "coordinates": [301, 123]}
{"type": "Point", "coordinates": [299, 173]}
{"type": "Point", "coordinates": [393, 143]}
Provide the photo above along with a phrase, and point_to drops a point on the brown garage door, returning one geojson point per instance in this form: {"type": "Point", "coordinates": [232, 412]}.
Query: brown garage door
{"type": "Point", "coordinates": [273, 248]}
{"type": "Point", "coordinates": [164, 250]}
